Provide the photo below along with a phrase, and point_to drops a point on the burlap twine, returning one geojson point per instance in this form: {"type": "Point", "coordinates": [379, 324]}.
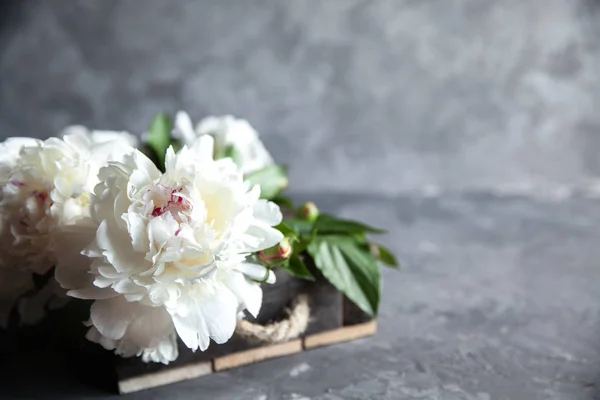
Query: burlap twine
{"type": "Point", "coordinates": [281, 331]}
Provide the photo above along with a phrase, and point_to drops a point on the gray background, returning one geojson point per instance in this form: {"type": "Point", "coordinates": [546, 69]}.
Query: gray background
{"type": "Point", "coordinates": [366, 96]}
{"type": "Point", "coordinates": [469, 128]}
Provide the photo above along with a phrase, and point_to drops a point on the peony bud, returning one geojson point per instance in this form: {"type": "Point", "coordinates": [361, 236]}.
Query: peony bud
{"type": "Point", "coordinates": [278, 253]}
{"type": "Point", "coordinates": [308, 212]}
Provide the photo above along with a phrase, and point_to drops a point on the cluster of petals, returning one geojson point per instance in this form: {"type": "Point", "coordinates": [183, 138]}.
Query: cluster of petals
{"type": "Point", "coordinates": [44, 190]}
{"type": "Point", "coordinates": [170, 253]}
{"type": "Point", "coordinates": [229, 133]}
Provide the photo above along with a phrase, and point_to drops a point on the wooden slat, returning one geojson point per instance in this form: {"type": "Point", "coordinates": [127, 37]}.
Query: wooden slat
{"type": "Point", "coordinates": [339, 335]}
{"type": "Point", "coordinates": [257, 354]}
{"type": "Point", "coordinates": [165, 377]}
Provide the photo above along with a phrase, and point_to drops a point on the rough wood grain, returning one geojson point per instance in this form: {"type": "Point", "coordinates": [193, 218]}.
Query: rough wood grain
{"type": "Point", "coordinates": [258, 354]}
{"type": "Point", "coordinates": [165, 377]}
{"type": "Point", "coordinates": [339, 335]}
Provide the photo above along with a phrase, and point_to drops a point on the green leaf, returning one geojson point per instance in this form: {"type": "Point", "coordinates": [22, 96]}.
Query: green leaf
{"type": "Point", "coordinates": [283, 201]}
{"type": "Point", "coordinates": [159, 136]}
{"type": "Point", "coordinates": [272, 180]}
{"type": "Point", "coordinates": [300, 226]}
{"type": "Point", "coordinates": [350, 267]}
{"type": "Point", "coordinates": [297, 268]}
{"type": "Point", "coordinates": [386, 256]}
{"type": "Point", "coordinates": [327, 224]}
{"type": "Point", "coordinates": [287, 231]}
{"type": "Point", "coordinates": [303, 232]}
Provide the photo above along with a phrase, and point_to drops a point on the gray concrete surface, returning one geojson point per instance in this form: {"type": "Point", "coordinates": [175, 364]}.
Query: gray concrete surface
{"type": "Point", "coordinates": [498, 300]}
{"type": "Point", "coordinates": [415, 115]}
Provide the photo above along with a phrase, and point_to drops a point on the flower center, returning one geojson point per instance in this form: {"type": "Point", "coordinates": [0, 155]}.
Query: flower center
{"type": "Point", "coordinates": [171, 200]}
{"type": "Point", "coordinates": [84, 199]}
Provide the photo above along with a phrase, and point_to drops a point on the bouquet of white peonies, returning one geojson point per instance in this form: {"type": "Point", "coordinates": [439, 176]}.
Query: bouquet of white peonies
{"type": "Point", "coordinates": [169, 239]}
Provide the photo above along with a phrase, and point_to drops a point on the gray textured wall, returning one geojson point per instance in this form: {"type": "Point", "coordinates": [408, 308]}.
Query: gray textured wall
{"type": "Point", "coordinates": [385, 95]}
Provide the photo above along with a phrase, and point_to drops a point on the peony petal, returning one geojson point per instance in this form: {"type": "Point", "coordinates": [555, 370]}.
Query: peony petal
{"type": "Point", "coordinates": [133, 297]}
{"type": "Point", "coordinates": [256, 272]}
{"type": "Point", "coordinates": [162, 229]}
{"type": "Point", "coordinates": [112, 316]}
{"type": "Point", "coordinates": [92, 293]}
{"type": "Point", "coordinates": [268, 236]}
{"type": "Point", "coordinates": [116, 246]}
{"type": "Point", "coordinates": [136, 225]}
{"type": "Point", "coordinates": [126, 286]}
{"type": "Point", "coordinates": [249, 293]}
{"type": "Point", "coordinates": [165, 352]}
{"type": "Point", "coordinates": [77, 136]}
{"type": "Point", "coordinates": [267, 212]}
{"type": "Point", "coordinates": [150, 328]}
{"type": "Point", "coordinates": [122, 137]}
{"type": "Point", "coordinates": [193, 333]}
{"type": "Point", "coordinates": [203, 147]}
{"type": "Point", "coordinates": [111, 146]}
{"type": "Point", "coordinates": [184, 129]}
{"type": "Point", "coordinates": [210, 314]}
{"type": "Point", "coordinates": [170, 159]}
{"type": "Point", "coordinates": [12, 146]}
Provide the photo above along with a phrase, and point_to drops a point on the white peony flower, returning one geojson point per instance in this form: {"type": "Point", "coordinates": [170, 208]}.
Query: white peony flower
{"type": "Point", "coordinates": [13, 281]}
{"type": "Point", "coordinates": [170, 252]}
{"type": "Point", "coordinates": [228, 131]}
{"type": "Point", "coordinates": [45, 188]}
